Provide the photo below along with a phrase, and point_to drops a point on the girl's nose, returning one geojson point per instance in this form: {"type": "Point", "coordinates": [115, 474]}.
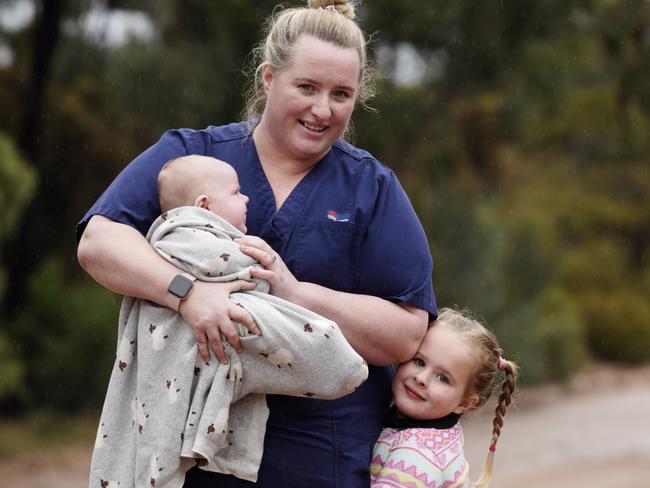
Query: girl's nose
{"type": "Point", "coordinates": [421, 379]}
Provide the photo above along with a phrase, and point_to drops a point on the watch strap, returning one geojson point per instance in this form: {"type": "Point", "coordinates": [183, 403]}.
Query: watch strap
{"type": "Point", "coordinates": [177, 299]}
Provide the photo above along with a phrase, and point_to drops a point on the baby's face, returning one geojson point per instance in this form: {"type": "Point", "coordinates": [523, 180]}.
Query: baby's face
{"type": "Point", "coordinates": [226, 199]}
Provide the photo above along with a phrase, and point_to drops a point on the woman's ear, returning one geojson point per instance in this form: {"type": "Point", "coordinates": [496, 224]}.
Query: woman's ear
{"type": "Point", "coordinates": [267, 77]}
{"type": "Point", "coordinates": [202, 201]}
{"type": "Point", "coordinates": [468, 403]}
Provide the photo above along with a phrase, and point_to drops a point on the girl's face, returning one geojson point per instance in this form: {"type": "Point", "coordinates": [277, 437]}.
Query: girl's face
{"type": "Point", "coordinates": [435, 382]}
{"type": "Point", "coordinates": [309, 103]}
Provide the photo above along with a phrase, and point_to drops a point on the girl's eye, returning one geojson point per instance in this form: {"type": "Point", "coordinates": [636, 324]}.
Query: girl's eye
{"type": "Point", "coordinates": [306, 87]}
{"type": "Point", "coordinates": [341, 94]}
{"type": "Point", "coordinates": [419, 362]}
{"type": "Point", "coordinates": [442, 378]}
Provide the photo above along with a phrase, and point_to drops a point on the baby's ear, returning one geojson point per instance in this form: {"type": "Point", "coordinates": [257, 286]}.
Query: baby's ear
{"type": "Point", "coordinates": [468, 403]}
{"type": "Point", "coordinates": [202, 201]}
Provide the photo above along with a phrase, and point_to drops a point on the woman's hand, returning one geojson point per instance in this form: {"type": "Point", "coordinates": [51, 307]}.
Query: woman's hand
{"type": "Point", "coordinates": [283, 283]}
{"type": "Point", "coordinates": [210, 313]}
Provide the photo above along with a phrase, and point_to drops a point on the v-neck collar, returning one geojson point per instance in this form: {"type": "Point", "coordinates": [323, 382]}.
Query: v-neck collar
{"type": "Point", "coordinates": [278, 224]}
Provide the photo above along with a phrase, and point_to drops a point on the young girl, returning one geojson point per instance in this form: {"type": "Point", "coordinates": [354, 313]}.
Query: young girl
{"type": "Point", "coordinates": [454, 371]}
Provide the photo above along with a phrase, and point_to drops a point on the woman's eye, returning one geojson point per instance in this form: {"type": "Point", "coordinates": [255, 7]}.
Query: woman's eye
{"type": "Point", "coordinates": [341, 94]}
{"type": "Point", "coordinates": [442, 378]}
{"type": "Point", "coordinates": [306, 87]}
{"type": "Point", "coordinates": [419, 362]}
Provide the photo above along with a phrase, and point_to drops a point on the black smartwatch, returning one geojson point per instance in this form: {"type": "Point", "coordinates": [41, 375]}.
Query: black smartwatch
{"type": "Point", "coordinates": [181, 286]}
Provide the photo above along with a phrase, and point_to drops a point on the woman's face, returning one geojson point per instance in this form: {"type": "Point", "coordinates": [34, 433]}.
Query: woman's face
{"type": "Point", "coordinates": [309, 103]}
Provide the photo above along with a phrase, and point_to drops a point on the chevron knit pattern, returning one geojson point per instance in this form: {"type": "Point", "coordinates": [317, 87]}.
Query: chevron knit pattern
{"type": "Point", "coordinates": [419, 458]}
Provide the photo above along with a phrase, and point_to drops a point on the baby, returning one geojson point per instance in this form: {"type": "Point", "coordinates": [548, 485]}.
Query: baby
{"type": "Point", "coordinates": [167, 409]}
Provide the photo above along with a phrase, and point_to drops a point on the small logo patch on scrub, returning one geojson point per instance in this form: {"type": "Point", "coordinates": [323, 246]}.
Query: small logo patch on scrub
{"type": "Point", "coordinates": [337, 217]}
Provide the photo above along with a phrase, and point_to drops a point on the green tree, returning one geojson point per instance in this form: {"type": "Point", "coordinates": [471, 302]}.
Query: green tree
{"type": "Point", "coordinates": [17, 182]}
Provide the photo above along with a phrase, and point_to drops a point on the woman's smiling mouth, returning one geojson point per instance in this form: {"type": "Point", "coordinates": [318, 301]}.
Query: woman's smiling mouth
{"type": "Point", "coordinates": [313, 128]}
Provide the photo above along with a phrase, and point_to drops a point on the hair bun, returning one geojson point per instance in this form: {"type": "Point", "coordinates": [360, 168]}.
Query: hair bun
{"type": "Point", "coordinates": [343, 7]}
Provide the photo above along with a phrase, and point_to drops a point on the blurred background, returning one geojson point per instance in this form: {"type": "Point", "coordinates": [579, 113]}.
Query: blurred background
{"type": "Point", "coordinates": [520, 130]}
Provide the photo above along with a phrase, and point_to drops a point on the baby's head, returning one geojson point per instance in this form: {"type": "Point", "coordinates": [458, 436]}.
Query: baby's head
{"type": "Point", "coordinates": [205, 182]}
{"type": "Point", "coordinates": [455, 369]}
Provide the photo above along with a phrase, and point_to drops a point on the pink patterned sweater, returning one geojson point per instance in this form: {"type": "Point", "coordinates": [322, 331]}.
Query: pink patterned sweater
{"type": "Point", "coordinates": [419, 457]}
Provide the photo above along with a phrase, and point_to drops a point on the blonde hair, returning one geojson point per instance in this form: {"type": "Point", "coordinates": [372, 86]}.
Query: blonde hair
{"type": "Point", "coordinates": [491, 369]}
{"type": "Point", "coordinates": [182, 179]}
{"type": "Point", "coordinates": [283, 30]}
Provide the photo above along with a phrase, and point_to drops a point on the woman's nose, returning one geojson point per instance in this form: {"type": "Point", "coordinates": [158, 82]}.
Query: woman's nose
{"type": "Point", "coordinates": [321, 108]}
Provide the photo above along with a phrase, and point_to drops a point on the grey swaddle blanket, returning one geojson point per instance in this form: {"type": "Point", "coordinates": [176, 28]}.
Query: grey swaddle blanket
{"type": "Point", "coordinates": [167, 410]}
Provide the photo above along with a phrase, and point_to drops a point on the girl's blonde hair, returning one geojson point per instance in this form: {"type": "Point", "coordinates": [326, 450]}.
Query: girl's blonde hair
{"type": "Point", "coordinates": [327, 20]}
{"type": "Point", "coordinates": [491, 369]}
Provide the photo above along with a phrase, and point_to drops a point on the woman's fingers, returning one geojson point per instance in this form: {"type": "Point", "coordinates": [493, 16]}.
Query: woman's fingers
{"type": "Point", "coordinates": [265, 258]}
{"type": "Point", "coordinates": [239, 314]}
{"type": "Point", "coordinates": [230, 334]}
{"type": "Point", "coordinates": [208, 310]}
{"type": "Point", "coordinates": [207, 339]}
{"type": "Point", "coordinates": [213, 324]}
{"type": "Point", "coordinates": [263, 274]}
{"type": "Point", "coordinates": [202, 343]}
{"type": "Point", "coordinates": [254, 241]}
{"type": "Point", "coordinates": [258, 249]}
{"type": "Point", "coordinates": [241, 285]}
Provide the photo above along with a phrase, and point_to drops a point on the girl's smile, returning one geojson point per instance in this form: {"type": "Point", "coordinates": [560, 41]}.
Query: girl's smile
{"type": "Point", "coordinates": [436, 381]}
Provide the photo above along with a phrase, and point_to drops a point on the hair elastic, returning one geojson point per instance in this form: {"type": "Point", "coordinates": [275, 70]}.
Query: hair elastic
{"type": "Point", "coordinates": [493, 447]}
{"type": "Point", "coordinates": [331, 8]}
{"type": "Point", "coordinates": [502, 363]}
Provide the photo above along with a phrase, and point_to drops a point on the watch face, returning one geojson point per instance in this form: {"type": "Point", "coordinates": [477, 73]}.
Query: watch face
{"type": "Point", "coordinates": [180, 286]}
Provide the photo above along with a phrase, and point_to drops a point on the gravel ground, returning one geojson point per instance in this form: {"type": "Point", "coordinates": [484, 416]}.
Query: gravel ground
{"type": "Point", "coordinates": [593, 432]}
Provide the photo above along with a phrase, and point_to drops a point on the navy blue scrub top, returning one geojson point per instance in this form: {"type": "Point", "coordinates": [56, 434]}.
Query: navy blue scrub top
{"type": "Point", "coordinates": [349, 226]}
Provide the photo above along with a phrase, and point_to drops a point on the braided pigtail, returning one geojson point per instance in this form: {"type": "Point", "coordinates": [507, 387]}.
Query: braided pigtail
{"type": "Point", "coordinates": [492, 371]}
{"type": "Point", "coordinates": [508, 388]}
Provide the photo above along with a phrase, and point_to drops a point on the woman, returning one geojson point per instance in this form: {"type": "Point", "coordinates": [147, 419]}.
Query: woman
{"type": "Point", "coordinates": [336, 234]}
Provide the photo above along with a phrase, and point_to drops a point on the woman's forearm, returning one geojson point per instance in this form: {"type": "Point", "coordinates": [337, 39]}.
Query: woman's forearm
{"type": "Point", "coordinates": [118, 257]}
{"type": "Point", "coordinates": [381, 331]}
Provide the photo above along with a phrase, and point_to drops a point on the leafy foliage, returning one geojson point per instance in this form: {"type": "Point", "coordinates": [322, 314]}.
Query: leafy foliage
{"type": "Point", "coordinates": [17, 184]}
{"type": "Point", "coordinates": [67, 335]}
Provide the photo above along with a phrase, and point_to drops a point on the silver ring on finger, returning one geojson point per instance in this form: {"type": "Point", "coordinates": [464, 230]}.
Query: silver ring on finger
{"type": "Point", "coordinates": [273, 258]}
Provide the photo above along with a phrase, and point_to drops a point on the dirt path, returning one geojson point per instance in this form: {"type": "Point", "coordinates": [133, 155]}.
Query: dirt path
{"type": "Point", "coordinates": [594, 432]}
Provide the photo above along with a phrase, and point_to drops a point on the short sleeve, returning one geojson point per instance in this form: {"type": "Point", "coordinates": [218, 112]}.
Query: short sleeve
{"type": "Point", "coordinates": [132, 197]}
{"type": "Point", "coordinates": [394, 258]}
